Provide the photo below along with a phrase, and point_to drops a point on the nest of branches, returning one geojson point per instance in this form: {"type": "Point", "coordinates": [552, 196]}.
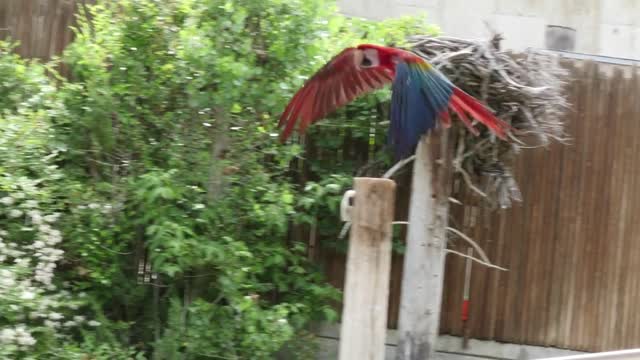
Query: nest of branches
{"type": "Point", "coordinates": [526, 90]}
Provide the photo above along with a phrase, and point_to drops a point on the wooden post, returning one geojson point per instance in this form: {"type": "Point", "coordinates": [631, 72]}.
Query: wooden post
{"type": "Point", "coordinates": [424, 257]}
{"type": "Point", "coordinates": [364, 313]}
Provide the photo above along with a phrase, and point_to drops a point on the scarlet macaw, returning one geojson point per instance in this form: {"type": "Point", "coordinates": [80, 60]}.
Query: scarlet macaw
{"type": "Point", "coordinates": [420, 94]}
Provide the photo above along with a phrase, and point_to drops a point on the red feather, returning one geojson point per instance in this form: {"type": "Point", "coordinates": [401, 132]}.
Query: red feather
{"type": "Point", "coordinates": [338, 82]}
{"type": "Point", "coordinates": [446, 118]}
{"type": "Point", "coordinates": [344, 78]}
{"type": "Point", "coordinates": [454, 104]}
{"type": "Point", "coordinates": [479, 112]}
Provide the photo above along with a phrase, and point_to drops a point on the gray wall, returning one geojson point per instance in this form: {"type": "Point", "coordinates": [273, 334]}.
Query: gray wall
{"type": "Point", "coordinates": [603, 27]}
{"type": "Point", "coordinates": [447, 348]}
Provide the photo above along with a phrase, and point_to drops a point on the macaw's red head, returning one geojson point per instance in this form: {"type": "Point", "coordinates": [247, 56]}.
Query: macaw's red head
{"type": "Point", "coordinates": [376, 55]}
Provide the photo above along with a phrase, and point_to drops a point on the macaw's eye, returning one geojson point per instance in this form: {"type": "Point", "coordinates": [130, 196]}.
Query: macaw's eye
{"type": "Point", "coordinates": [370, 58]}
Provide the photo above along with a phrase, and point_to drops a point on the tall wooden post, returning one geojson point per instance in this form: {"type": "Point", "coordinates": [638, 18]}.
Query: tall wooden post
{"type": "Point", "coordinates": [424, 258]}
{"type": "Point", "coordinates": [364, 314]}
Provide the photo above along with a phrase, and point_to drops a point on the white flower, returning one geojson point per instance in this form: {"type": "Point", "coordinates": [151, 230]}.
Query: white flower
{"type": "Point", "coordinates": [7, 200]}
{"type": "Point", "coordinates": [34, 315]}
{"type": "Point", "coordinates": [6, 282]}
{"type": "Point", "coordinates": [26, 340]}
{"type": "Point", "coordinates": [15, 213]}
{"type": "Point", "coordinates": [93, 206]}
{"type": "Point", "coordinates": [44, 228]}
{"type": "Point", "coordinates": [22, 262]}
{"type": "Point", "coordinates": [38, 244]}
{"type": "Point", "coordinates": [36, 220]}
{"type": "Point", "coordinates": [78, 318]}
{"type": "Point", "coordinates": [282, 321]}
{"type": "Point", "coordinates": [19, 195]}
{"type": "Point", "coordinates": [45, 303]}
{"type": "Point", "coordinates": [55, 316]}
{"type": "Point", "coordinates": [69, 323]}
{"type": "Point", "coordinates": [93, 323]}
{"type": "Point", "coordinates": [31, 204]}
{"type": "Point", "coordinates": [51, 324]}
{"type": "Point", "coordinates": [52, 217]}
{"type": "Point", "coordinates": [23, 337]}
{"type": "Point", "coordinates": [28, 295]}
{"type": "Point", "coordinates": [7, 335]}
{"type": "Point", "coordinates": [14, 253]}
{"type": "Point", "coordinates": [198, 206]}
{"type": "Point", "coordinates": [43, 277]}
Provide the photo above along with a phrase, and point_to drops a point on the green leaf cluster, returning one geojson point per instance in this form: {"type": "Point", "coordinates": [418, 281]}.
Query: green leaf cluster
{"type": "Point", "coordinates": [176, 200]}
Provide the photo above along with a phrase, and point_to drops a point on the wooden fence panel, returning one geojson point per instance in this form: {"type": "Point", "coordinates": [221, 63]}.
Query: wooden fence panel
{"type": "Point", "coordinates": [572, 246]}
{"type": "Point", "coordinates": [41, 26]}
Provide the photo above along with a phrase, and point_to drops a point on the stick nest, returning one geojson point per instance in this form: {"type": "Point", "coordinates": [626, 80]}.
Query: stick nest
{"type": "Point", "coordinates": [526, 90]}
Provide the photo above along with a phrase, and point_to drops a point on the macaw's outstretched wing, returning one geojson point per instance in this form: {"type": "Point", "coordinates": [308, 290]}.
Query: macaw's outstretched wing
{"type": "Point", "coordinates": [345, 77]}
{"type": "Point", "coordinates": [421, 95]}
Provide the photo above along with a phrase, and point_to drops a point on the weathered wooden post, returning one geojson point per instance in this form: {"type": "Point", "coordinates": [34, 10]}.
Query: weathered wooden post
{"type": "Point", "coordinates": [424, 258]}
{"type": "Point", "coordinates": [364, 314]}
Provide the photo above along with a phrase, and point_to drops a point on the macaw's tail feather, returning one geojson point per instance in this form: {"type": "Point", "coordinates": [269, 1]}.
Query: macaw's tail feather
{"type": "Point", "coordinates": [457, 108]}
{"type": "Point", "coordinates": [462, 103]}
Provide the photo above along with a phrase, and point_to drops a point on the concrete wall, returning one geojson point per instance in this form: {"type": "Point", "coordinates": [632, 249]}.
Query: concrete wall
{"type": "Point", "coordinates": [603, 27]}
{"type": "Point", "coordinates": [447, 348]}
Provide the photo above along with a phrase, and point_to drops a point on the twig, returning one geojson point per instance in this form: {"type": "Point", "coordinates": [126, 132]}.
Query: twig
{"type": "Point", "coordinates": [476, 260]}
{"type": "Point", "coordinates": [471, 242]}
{"type": "Point", "coordinates": [527, 92]}
{"type": "Point", "coordinates": [467, 180]}
{"type": "Point", "coordinates": [156, 285]}
{"type": "Point", "coordinates": [115, 252]}
{"type": "Point", "coordinates": [217, 356]}
{"type": "Point", "coordinates": [400, 164]}
{"type": "Point", "coordinates": [201, 275]}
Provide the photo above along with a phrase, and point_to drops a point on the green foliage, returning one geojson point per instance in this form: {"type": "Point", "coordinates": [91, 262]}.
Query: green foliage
{"type": "Point", "coordinates": [161, 149]}
{"type": "Point", "coordinates": [40, 314]}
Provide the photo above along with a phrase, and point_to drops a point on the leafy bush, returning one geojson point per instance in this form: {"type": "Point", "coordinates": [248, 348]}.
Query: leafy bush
{"type": "Point", "coordinates": [153, 179]}
{"type": "Point", "coordinates": [39, 314]}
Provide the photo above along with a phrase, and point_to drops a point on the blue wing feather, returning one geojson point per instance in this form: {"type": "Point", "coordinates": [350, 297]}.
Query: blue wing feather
{"type": "Point", "coordinates": [419, 95]}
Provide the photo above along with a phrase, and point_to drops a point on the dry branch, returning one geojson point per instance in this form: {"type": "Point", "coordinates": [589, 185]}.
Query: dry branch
{"type": "Point", "coordinates": [526, 90]}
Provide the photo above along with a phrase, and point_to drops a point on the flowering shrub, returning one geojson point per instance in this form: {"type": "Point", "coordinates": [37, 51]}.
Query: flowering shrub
{"type": "Point", "coordinates": [36, 311]}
